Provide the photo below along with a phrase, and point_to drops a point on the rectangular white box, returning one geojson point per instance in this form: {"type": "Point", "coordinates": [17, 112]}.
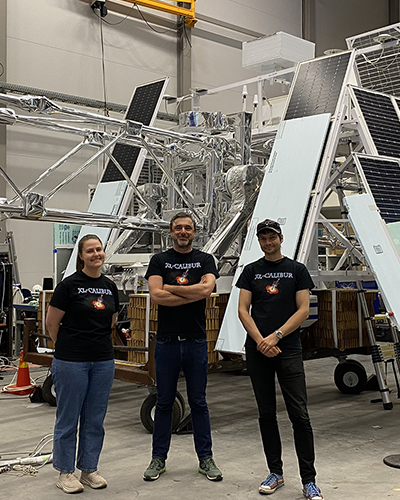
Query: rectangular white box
{"type": "Point", "coordinates": [277, 51]}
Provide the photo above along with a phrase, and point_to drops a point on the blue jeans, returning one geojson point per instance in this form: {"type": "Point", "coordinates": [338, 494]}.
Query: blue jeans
{"type": "Point", "coordinates": [82, 390]}
{"type": "Point", "coordinates": [289, 368]}
{"type": "Point", "coordinates": [171, 356]}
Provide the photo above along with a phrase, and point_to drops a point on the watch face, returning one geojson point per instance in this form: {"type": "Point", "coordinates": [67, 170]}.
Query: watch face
{"type": "Point", "coordinates": [278, 333]}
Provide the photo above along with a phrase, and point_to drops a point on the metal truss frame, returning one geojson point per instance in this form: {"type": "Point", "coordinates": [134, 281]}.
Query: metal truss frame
{"type": "Point", "coordinates": [27, 204]}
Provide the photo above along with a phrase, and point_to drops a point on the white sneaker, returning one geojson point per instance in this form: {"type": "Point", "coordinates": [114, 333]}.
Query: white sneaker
{"type": "Point", "coordinates": [69, 483]}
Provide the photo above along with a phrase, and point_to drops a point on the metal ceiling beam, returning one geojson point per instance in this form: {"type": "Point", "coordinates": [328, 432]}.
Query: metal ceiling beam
{"type": "Point", "coordinates": [125, 9]}
{"type": "Point", "coordinates": [182, 9]}
{"type": "Point", "coordinates": [72, 99]}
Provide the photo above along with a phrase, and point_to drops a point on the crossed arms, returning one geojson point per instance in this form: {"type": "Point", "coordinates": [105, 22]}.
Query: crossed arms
{"type": "Point", "coordinates": [178, 295]}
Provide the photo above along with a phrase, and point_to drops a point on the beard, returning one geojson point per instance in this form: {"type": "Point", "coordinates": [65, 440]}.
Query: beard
{"type": "Point", "coordinates": [183, 243]}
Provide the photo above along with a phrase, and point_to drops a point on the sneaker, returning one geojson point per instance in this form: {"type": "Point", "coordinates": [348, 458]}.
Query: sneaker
{"type": "Point", "coordinates": [93, 479]}
{"type": "Point", "coordinates": [312, 492]}
{"type": "Point", "coordinates": [153, 471]}
{"type": "Point", "coordinates": [272, 483]}
{"type": "Point", "coordinates": [69, 483]}
{"type": "Point", "coordinates": [208, 467]}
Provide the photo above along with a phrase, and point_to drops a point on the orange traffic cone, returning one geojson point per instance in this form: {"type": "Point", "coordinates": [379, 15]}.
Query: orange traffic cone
{"type": "Point", "coordinates": [24, 383]}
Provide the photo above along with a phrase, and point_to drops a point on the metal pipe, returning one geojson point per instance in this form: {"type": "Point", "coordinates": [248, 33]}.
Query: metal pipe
{"type": "Point", "coordinates": [171, 180]}
{"type": "Point", "coordinates": [88, 218]}
{"type": "Point", "coordinates": [81, 169]}
{"type": "Point", "coordinates": [103, 120]}
{"type": "Point", "coordinates": [51, 169]}
{"type": "Point", "coordinates": [77, 100]}
{"type": "Point", "coordinates": [11, 182]}
{"type": "Point", "coordinates": [131, 184]}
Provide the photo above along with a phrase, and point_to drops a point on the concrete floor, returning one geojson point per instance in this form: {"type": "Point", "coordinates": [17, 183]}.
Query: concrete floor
{"type": "Point", "coordinates": [352, 437]}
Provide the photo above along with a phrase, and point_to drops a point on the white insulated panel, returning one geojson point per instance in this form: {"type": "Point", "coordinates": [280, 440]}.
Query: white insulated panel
{"type": "Point", "coordinates": [378, 247]}
{"type": "Point", "coordinates": [284, 196]}
{"type": "Point", "coordinates": [106, 200]}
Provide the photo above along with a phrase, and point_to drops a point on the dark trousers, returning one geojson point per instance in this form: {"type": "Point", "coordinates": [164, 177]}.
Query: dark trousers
{"type": "Point", "coordinates": [191, 356]}
{"type": "Point", "coordinates": [289, 369]}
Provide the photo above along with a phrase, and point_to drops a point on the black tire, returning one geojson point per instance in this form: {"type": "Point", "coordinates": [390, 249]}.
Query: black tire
{"type": "Point", "coordinates": [350, 377]}
{"type": "Point", "coordinates": [48, 391]}
{"type": "Point", "coordinates": [147, 413]}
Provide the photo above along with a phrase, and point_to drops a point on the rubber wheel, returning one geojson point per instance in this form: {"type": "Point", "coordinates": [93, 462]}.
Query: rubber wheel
{"type": "Point", "coordinates": [350, 377]}
{"type": "Point", "coordinates": [48, 391]}
{"type": "Point", "coordinates": [148, 408]}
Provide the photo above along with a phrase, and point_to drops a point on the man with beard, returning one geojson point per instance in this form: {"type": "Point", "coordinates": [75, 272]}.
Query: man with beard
{"type": "Point", "coordinates": [180, 280]}
{"type": "Point", "coordinates": [273, 303]}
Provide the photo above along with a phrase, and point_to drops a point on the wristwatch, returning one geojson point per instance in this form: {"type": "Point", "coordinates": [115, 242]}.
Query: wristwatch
{"type": "Point", "coordinates": [279, 334]}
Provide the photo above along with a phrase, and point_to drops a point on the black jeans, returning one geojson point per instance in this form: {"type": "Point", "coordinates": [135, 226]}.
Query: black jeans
{"type": "Point", "coordinates": [290, 371]}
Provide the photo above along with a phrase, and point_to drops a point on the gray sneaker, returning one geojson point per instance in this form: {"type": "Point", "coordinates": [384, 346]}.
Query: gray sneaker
{"type": "Point", "coordinates": [208, 467]}
{"type": "Point", "coordinates": [155, 468]}
{"type": "Point", "coordinates": [93, 479]}
{"type": "Point", "coordinates": [69, 483]}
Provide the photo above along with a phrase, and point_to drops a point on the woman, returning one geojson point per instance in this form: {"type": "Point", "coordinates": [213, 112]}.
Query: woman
{"type": "Point", "coordinates": [81, 314]}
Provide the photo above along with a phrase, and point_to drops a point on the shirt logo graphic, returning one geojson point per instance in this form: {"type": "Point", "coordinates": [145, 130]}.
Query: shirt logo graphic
{"type": "Point", "coordinates": [182, 280]}
{"type": "Point", "coordinates": [99, 303]}
{"type": "Point", "coordinates": [273, 289]}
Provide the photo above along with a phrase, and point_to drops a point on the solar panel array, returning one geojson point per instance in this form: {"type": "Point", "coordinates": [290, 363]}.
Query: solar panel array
{"type": "Point", "coordinates": [367, 39]}
{"type": "Point", "coordinates": [141, 109]}
{"type": "Point", "coordinates": [380, 70]}
{"type": "Point", "coordinates": [382, 121]}
{"type": "Point", "coordinates": [383, 178]}
{"type": "Point", "coordinates": [317, 86]}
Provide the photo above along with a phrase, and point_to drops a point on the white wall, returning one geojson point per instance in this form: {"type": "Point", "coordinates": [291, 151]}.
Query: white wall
{"type": "Point", "coordinates": [338, 20]}
{"type": "Point", "coordinates": [55, 45]}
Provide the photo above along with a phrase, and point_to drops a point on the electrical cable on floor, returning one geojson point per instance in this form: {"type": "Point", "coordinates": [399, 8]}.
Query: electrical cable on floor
{"type": "Point", "coordinates": [41, 444]}
{"type": "Point", "coordinates": [31, 464]}
{"type": "Point", "coordinates": [48, 438]}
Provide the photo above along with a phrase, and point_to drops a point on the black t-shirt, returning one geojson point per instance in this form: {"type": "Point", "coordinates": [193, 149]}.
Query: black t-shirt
{"type": "Point", "coordinates": [85, 330]}
{"type": "Point", "coordinates": [273, 286]}
{"type": "Point", "coordinates": [184, 269]}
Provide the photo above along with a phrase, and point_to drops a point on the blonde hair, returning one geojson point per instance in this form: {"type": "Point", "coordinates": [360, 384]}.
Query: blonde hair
{"type": "Point", "coordinates": [79, 262]}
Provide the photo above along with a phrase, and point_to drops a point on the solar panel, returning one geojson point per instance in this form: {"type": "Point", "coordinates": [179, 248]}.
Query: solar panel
{"type": "Point", "coordinates": [378, 69]}
{"type": "Point", "coordinates": [141, 109]}
{"type": "Point", "coordinates": [112, 195]}
{"type": "Point", "coordinates": [382, 121]}
{"type": "Point", "coordinates": [317, 86]}
{"type": "Point", "coordinates": [383, 179]}
{"type": "Point", "coordinates": [367, 39]}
